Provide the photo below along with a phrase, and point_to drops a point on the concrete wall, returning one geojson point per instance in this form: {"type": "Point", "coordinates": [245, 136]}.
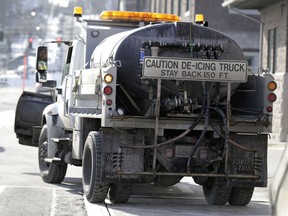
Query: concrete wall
{"type": "Point", "coordinates": [275, 16]}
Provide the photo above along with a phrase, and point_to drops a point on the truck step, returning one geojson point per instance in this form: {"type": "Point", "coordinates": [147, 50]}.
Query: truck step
{"type": "Point", "coordinates": [58, 140]}
{"type": "Point", "coordinates": [84, 111]}
{"type": "Point", "coordinates": [50, 160]}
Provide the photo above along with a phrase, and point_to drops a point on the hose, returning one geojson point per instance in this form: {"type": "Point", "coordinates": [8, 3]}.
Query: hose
{"type": "Point", "coordinates": [226, 132]}
{"type": "Point", "coordinates": [204, 96]}
{"type": "Point", "coordinates": [206, 124]}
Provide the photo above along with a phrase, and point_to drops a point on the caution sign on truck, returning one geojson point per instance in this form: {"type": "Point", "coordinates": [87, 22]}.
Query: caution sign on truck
{"type": "Point", "coordinates": [200, 70]}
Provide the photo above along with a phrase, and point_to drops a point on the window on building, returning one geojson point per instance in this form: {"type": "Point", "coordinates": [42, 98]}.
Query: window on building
{"type": "Point", "coordinates": [149, 7]}
{"type": "Point", "coordinates": [155, 6]}
{"type": "Point", "coordinates": [172, 6]}
{"type": "Point", "coordinates": [165, 6]}
{"type": "Point", "coordinates": [160, 6]}
{"type": "Point", "coordinates": [272, 50]}
{"type": "Point", "coordinates": [187, 5]}
{"type": "Point", "coordinates": [179, 7]}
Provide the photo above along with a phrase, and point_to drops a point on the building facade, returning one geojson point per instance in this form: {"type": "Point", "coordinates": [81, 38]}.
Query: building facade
{"type": "Point", "coordinates": [274, 54]}
{"type": "Point", "coordinates": [132, 5]}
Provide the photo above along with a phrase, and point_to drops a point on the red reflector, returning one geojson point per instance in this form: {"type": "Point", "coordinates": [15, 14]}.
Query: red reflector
{"type": "Point", "coordinates": [203, 154]}
{"type": "Point", "coordinates": [169, 153]}
{"type": "Point", "coordinates": [107, 90]}
{"type": "Point", "coordinates": [272, 97]}
{"type": "Point", "coordinates": [269, 109]}
{"type": "Point", "coordinates": [109, 102]}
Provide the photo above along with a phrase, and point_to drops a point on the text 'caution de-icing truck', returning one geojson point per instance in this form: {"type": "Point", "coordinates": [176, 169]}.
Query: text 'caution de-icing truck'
{"type": "Point", "coordinates": [146, 98]}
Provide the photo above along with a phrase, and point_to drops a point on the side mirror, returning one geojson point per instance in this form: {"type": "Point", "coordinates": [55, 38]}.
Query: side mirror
{"type": "Point", "coordinates": [42, 60]}
{"type": "Point", "coordinates": [41, 76]}
{"type": "Point", "coordinates": [50, 84]}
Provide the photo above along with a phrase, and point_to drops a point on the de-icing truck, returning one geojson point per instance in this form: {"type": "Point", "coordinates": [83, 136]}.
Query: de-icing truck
{"type": "Point", "coordinates": [145, 98]}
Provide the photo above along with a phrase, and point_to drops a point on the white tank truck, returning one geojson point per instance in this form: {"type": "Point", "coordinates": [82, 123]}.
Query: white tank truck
{"type": "Point", "coordinates": [146, 98]}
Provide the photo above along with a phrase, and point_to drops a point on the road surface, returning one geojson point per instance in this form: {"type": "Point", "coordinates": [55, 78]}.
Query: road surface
{"type": "Point", "coordinates": [22, 192]}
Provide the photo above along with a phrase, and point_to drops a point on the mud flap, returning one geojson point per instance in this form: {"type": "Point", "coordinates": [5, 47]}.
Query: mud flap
{"type": "Point", "coordinates": [124, 160]}
{"type": "Point", "coordinates": [242, 162]}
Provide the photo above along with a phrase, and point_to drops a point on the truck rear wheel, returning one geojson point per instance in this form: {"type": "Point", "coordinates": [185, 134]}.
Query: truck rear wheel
{"type": "Point", "coordinates": [94, 190]}
{"type": "Point", "coordinates": [119, 193]}
{"type": "Point", "coordinates": [216, 192]}
{"type": "Point", "coordinates": [240, 196]}
{"type": "Point", "coordinates": [50, 172]}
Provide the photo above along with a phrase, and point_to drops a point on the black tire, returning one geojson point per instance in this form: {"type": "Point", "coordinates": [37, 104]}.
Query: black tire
{"type": "Point", "coordinates": [94, 190]}
{"type": "Point", "coordinates": [240, 196]}
{"type": "Point", "coordinates": [119, 193]}
{"type": "Point", "coordinates": [50, 172]}
{"type": "Point", "coordinates": [216, 192]}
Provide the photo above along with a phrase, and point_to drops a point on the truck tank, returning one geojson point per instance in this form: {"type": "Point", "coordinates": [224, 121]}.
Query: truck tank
{"type": "Point", "coordinates": [174, 40]}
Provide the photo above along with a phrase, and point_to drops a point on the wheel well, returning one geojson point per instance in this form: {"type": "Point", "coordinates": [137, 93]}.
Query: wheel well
{"type": "Point", "coordinates": [90, 124]}
{"type": "Point", "coordinates": [43, 120]}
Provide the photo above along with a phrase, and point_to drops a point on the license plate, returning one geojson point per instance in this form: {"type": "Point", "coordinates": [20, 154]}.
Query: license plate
{"type": "Point", "coordinates": [194, 69]}
{"type": "Point", "coordinates": [183, 151]}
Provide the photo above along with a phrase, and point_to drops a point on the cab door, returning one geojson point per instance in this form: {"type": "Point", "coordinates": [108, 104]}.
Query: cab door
{"type": "Point", "coordinates": [28, 116]}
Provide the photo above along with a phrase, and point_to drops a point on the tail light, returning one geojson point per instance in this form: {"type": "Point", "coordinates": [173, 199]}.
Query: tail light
{"type": "Point", "coordinates": [272, 85]}
{"type": "Point", "coordinates": [107, 90]}
{"type": "Point", "coordinates": [109, 102]}
{"type": "Point", "coordinates": [169, 153]}
{"type": "Point", "coordinates": [108, 78]}
{"type": "Point", "coordinates": [269, 109]}
{"type": "Point", "coordinates": [272, 97]}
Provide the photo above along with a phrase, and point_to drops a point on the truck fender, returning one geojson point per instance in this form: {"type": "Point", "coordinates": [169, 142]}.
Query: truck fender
{"type": "Point", "coordinates": [49, 111]}
{"type": "Point", "coordinates": [54, 128]}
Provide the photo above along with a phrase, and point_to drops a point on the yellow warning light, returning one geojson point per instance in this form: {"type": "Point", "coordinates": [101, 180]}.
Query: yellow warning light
{"type": "Point", "coordinates": [199, 18]}
{"type": "Point", "coordinates": [272, 85]}
{"type": "Point", "coordinates": [138, 16]}
{"type": "Point", "coordinates": [108, 78]}
{"type": "Point", "coordinates": [77, 12]}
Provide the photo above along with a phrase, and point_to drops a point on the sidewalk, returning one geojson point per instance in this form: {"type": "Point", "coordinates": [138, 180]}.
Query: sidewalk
{"type": "Point", "coordinates": [273, 143]}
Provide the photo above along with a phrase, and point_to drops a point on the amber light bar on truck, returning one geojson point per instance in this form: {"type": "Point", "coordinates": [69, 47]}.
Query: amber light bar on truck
{"type": "Point", "coordinates": [138, 16]}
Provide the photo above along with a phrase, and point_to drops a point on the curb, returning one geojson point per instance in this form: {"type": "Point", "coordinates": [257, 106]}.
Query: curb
{"type": "Point", "coordinates": [95, 209]}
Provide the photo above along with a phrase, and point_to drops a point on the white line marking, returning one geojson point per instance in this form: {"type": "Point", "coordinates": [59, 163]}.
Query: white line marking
{"type": "Point", "coordinates": [53, 203]}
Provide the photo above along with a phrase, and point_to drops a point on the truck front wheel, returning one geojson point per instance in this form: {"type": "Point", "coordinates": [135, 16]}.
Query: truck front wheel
{"type": "Point", "coordinates": [50, 172]}
{"type": "Point", "coordinates": [94, 190]}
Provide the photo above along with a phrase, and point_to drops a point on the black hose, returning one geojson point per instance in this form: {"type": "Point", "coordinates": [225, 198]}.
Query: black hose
{"type": "Point", "coordinates": [206, 124]}
{"type": "Point", "coordinates": [204, 104]}
{"type": "Point", "coordinates": [226, 132]}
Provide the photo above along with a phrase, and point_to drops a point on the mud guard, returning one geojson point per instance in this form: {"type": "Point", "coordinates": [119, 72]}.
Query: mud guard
{"type": "Point", "coordinates": [243, 162]}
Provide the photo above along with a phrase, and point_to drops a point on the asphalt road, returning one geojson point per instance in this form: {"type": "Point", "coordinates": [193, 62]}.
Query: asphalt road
{"type": "Point", "coordinates": [22, 192]}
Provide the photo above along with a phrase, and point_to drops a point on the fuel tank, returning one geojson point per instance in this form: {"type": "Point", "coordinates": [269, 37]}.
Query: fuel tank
{"type": "Point", "coordinates": [175, 40]}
